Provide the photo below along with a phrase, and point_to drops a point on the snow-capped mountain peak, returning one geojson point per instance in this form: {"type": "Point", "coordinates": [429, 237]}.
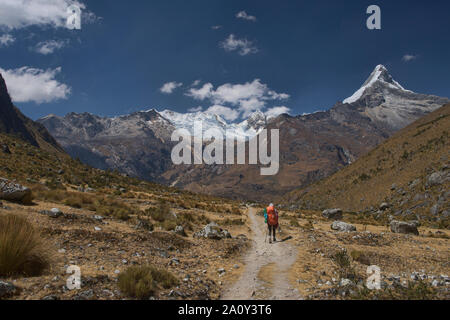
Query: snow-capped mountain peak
{"type": "Point", "coordinates": [244, 130]}
{"type": "Point", "coordinates": [379, 75]}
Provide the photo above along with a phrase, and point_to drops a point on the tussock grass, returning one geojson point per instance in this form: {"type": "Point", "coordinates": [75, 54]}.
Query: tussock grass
{"type": "Point", "coordinates": [21, 248]}
{"type": "Point", "coordinates": [141, 282]}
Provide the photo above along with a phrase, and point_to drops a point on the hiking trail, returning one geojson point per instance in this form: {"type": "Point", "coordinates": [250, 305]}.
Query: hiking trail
{"type": "Point", "coordinates": [273, 261]}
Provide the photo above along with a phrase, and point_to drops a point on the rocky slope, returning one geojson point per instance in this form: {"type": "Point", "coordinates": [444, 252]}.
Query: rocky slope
{"type": "Point", "coordinates": [409, 172]}
{"type": "Point", "coordinates": [13, 122]}
{"type": "Point", "coordinates": [137, 144]}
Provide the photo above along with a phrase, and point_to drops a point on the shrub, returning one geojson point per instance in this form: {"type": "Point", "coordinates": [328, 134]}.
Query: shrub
{"type": "Point", "coordinates": [344, 266]}
{"type": "Point", "coordinates": [360, 257]}
{"type": "Point", "coordinates": [21, 248]}
{"type": "Point", "coordinates": [142, 282]}
{"type": "Point", "coordinates": [161, 213]}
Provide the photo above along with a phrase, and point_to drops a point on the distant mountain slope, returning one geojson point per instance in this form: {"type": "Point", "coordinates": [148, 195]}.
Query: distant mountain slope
{"type": "Point", "coordinates": [312, 147]}
{"type": "Point", "coordinates": [317, 145]}
{"type": "Point", "coordinates": [13, 122]}
{"type": "Point", "coordinates": [410, 171]}
{"type": "Point", "coordinates": [137, 144]}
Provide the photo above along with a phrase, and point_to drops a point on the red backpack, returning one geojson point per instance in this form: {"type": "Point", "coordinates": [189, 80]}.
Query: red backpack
{"type": "Point", "coordinates": [272, 216]}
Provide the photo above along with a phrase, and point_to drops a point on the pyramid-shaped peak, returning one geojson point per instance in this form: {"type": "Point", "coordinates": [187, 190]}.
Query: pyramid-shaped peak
{"type": "Point", "coordinates": [379, 75]}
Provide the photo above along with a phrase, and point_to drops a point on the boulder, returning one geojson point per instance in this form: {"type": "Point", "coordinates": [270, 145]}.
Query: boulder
{"type": "Point", "coordinates": [435, 210]}
{"type": "Point", "coordinates": [384, 206]}
{"type": "Point", "coordinates": [11, 191]}
{"type": "Point", "coordinates": [53, 213]}
{"type": "Point", "coordinates": [212, 231]}
{"type": "Point", "coordinates": [342, 226]}
{"type": "Point", "coordinates": [332, 214]}
{"type": "Point", "coordinates": [7, 289]}
{"type": "Point", "coordinates": [180, 231]}
{"type": "Point", "coordinates": [437, 178]}
{"type": "Point", "coordinates": [404, 227]}
{"type": "Point", "coordinates": [5, 149]}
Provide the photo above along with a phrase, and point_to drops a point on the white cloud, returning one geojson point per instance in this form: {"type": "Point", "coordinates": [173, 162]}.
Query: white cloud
{"type": "Point", "coordinates": [409, 57]}
{"type": "Point", "coordinates": [48, 47]}
{"type": "Point", "coordinates": [246, 98]}
{"type": "Point", "coordinates": [201, 93]}
{"type": "Point", "coordinates": [34, 85]}
{"type": "Point", "coordinates": [216, 27]}
{"type": "Point", "coordinates": [6, 40]}
{"type": "Point", "coordinates": [242, 46]}
{"type": "Point", "coordinates": [225, 112]}
{"type": "Point", "coordinates": [247, 107]}
{"type": "Point", "coordinates": [16, 14]}
{"type": "Point", "coordinates": [245, 16]}
{"type": "Point", "coordinates": [276, 111]}
{"type": "Point", "coordinates": [170, 87]}
{"type": "Point", "coordinates": [196, 83]}
{"type": "Point", "coordinates": [196, 109]}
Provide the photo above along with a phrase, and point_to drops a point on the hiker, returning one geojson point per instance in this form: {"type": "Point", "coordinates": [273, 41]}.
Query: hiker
{"type": "Point", "coordinates": [271, 215]}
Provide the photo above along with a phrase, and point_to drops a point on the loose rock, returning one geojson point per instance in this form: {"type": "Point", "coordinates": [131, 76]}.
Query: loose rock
{"type": "Point", "coordinates": [342, 226]}
{"type": "Point", "coordinates": [332, 214]}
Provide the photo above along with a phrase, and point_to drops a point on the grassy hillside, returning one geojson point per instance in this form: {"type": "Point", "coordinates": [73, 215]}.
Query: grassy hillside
{"type": "Point", "coordinates": [402, 172]}
{"type": "Point", "coordinates": [57, 177]}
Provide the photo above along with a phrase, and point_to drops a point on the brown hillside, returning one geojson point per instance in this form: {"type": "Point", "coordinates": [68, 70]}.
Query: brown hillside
{"type": "Point", "coordinates": [409, 171]}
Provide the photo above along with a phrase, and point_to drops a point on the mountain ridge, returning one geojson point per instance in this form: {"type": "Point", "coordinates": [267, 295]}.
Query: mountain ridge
{"type": "Point", "coordinates": [312, 146]}
{"type": "Point", "coordinates": [14, 122]}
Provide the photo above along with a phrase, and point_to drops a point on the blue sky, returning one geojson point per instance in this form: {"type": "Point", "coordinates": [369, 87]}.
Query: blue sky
{"type": "Point", "coordinates": [298, 55]}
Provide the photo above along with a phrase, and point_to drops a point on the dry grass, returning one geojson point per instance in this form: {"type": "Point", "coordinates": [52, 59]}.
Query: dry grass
{"type": "Point", "coordinates": [141, 282]}
{"type": "Point", "coordinates": [410, 155]}
{"type": "Point", "coordinates": [21, 248]}
{"type": "Point", "coordinates": [360, 257]}
{"type": "Point", "coordinates": [419, 290]}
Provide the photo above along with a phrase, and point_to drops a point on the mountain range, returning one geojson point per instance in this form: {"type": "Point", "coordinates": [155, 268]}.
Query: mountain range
{"type": "Point", "coordinates": [312, 146]}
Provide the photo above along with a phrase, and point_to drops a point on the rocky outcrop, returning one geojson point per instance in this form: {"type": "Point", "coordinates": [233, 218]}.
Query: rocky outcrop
{"type": "Point", "coordinates": [404, 227]}
{"type": "Point", "coordinates": [13, 122]}
{"type": "Point", "coordinates": [11, 191]}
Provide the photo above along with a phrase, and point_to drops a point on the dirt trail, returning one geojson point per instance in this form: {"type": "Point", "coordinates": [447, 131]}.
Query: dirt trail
{"type": "Point", "coordinates": [277, 257]}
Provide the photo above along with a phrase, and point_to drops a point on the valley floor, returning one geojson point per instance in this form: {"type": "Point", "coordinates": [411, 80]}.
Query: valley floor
{"type": "Point", "coordinates": [304, 266]}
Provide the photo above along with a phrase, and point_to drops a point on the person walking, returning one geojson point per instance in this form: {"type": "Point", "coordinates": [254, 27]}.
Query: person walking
{"type": "Point", "coordinates": [272, 222]}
